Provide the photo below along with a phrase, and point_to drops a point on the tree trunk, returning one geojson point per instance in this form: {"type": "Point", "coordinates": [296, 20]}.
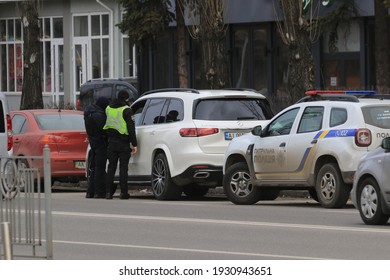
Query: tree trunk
{"type": "Point", "coordinates": [301, 65]}
{"type": "Point", "coordinates": [181, 46]}
{"type": "Point", "coordinates": [382, 48]}
{"type": "Point", "coordinates": [32, 87]}
{"type": "Point", "coordinates": [215, 70]}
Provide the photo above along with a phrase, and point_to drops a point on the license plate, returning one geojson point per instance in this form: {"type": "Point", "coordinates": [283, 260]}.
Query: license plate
{"type": "Point", "coordinates": [231, 135]}
{"type": "Point", "coordinates": [79, 164]}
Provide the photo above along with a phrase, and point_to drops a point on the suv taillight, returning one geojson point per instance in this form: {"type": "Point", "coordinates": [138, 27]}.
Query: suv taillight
{"type": "Point", "coordinates": [197, 132]}
{"type": "Point", "coordinates": [10, 142]}
{"type": "Point", "coordinates": [363, 137]}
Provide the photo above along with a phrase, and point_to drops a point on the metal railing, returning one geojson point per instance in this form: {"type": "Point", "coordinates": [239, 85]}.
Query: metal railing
{"type": "Point", "coordinates": [25, 207]}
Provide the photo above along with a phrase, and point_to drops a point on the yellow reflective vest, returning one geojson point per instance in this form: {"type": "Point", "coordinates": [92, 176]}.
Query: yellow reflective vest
{"type": "Point", "coordinates": [115, 119]}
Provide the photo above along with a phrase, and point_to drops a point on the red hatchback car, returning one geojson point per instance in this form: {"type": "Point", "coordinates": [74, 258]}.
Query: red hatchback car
{"type": "Point", "coordinates": [62, 130]}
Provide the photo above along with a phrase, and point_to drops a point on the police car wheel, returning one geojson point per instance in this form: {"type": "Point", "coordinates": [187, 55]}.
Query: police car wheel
{"type": "Point", "coordinates": [163, 186]}
{"type": "Point", "coordinates": [369, 203]}
{"type": "Point", "coordinates": [331, 190]}
{"type": "Point", "coordinates": [238, 187]}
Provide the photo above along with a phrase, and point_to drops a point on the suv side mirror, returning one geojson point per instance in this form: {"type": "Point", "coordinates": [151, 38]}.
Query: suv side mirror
{"type": "Point", "coordinates": [386, 143]}
{"type": "Point", "coordinates": [257, 130]}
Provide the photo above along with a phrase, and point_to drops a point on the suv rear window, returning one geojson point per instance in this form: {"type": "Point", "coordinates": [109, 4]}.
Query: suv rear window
{"type": "Point", "coordinates": [232, 109]}
{"type": "Point", "coordinates": [378, 116]}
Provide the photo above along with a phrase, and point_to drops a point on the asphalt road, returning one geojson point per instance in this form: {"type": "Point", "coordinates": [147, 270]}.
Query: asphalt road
{"type": "Point", "coordinates": [143, 228]}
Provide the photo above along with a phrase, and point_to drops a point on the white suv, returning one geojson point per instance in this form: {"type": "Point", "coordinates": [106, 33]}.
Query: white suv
{"type": "Point", "coordinates": [371, 189]}
{"type": "Point", "coordinates": [313, 145]}
{"type": "Point", "coordinates": [183, 135]}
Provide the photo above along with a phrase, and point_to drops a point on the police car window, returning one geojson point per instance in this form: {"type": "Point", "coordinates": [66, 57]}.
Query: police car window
{"type": "Point", "coordinates": [282, 125]}
{"type": "Point", "coordinates": [311, 119]}
{"type": "Point", "coordinates": [153, 112]}
{"type": "Point", "coordinates": [378, 116]}
{"type": "Point", "coordinates": [338, 116]}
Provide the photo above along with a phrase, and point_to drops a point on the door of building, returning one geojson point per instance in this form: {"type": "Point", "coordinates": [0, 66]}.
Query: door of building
{"type": "Point", "coordinates": [58, 71]}
{"type": "Point", "coordinates": [81, 54]}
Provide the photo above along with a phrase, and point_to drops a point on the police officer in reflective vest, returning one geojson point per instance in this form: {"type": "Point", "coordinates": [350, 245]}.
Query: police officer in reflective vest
{"type": "Point", "coordinates": [120, 130]}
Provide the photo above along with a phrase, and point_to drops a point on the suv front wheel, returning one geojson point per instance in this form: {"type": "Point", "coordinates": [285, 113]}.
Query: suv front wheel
{"type": "Point", "coordinates": [332, 192]}
{"type": "Point", "coordinates": [238, 187]}
{"type": "Point", "coordinates": [369, 203]}
{"type": "Point", "coordinates": [163, 186]}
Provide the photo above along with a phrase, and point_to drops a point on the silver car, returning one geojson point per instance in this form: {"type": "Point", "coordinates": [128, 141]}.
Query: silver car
{"type": "Point", "coordinates": [371, 188]}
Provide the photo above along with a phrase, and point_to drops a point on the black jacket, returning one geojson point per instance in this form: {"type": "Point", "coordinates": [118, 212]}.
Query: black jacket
{"type": "Point", "coordinates": [99, 116]}
{"type": "Point", "coordinates": [114, 135]}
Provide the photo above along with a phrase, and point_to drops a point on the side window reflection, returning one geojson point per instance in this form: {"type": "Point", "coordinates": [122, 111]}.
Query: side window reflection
{"type": "Point", "coordinates": [282, 125]}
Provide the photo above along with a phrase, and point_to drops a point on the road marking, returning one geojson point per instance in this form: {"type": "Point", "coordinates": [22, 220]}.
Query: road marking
{"type": "Point", "coordinates": [228, 222]}
{"type": "Point", "coordinates": [188, 250]}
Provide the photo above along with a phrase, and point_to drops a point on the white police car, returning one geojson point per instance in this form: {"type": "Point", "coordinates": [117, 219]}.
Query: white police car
{"type": "Point", "coordinates": [313, 145]}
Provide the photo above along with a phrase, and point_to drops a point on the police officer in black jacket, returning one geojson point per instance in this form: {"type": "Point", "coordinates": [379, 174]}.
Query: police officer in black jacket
{"type": "Point", "coordinates": [95, 119]}
{"type": "Point", "coordinates": [120, 130]}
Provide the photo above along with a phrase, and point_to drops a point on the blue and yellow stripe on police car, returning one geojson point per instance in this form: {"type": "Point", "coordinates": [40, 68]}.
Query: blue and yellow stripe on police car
{"type": "Point", "coordinates": [333, 133]}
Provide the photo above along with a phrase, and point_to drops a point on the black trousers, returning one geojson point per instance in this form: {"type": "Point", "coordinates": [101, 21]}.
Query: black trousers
{"type": "Point", "coordinates": [97, 178]}
{"type": "Point", "coordinates": [118, 151]}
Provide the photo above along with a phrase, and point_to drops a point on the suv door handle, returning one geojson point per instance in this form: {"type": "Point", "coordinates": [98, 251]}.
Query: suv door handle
{"type": "Point", "coordinates": [314, 141]}
{"type": "Point", "coordinates": [282, 145]}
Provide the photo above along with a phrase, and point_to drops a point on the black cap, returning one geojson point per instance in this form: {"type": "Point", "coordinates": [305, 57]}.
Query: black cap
{"type": "Point", "coordinates": [123, 95]}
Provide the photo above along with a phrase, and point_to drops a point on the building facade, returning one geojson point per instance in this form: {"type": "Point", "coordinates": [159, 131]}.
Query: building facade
{"type": "Point", "coordinates": [80, 41]}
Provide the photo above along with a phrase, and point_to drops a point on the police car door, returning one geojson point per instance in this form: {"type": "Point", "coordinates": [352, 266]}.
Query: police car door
{"type": "Point", "coordinates": [269, 153]}
{"type": "Point", "coordinates": [302, 143]}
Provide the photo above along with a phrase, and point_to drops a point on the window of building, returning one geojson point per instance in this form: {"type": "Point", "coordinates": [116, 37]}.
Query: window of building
{"type": "Point", "coordinates": [250, 57]}
{"type": "Point", "coordinates": [11, 58]}
{"type": "Point", "coordinates": [52, 55]}
{"type": "Point", "coordinates": [129, 57]}
{"type": "Point", "coordinates": [164, 58]}
{"type": "Point", "coordinates": [342, 66]}
{"type": "Point", "coordinates": [91, 34]}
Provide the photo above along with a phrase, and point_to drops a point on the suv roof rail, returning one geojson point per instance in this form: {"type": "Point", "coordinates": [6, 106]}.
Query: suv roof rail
{"type": "Point", "coordinates": [105, 79]}
{"type": "Point", "coordinates": [333, 97]}
{"type": "Point", "coordinates": [244, 89]}
{"type": "Point", "coordinates": [191, 90]}
{"type": "Point", "coordinates": [377, 96]}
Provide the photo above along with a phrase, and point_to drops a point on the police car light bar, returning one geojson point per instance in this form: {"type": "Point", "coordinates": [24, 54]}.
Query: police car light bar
{"type": "Point", "coordinates": [353, 92]}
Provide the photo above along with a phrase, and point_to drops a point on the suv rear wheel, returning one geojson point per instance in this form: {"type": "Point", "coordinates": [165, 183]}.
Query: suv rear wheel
{"type": "Point", "coordinates": [332, 192]}
{"type": "Point", "coordinates": [238, 187]}
{"type": "Point", "coordinates": [369, 203]}
{"type": "Point", "coordinates": [163, 186]}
